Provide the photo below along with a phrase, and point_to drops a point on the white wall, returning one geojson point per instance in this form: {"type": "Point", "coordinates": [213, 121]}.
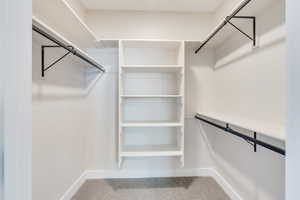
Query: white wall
{"type": "Point", "coordinates": [248, 88]}
{"type": "Point", "coordinates": [148, 25]}
{"type": "Point", "coordinates": [61, 120]}
{"type": "Point", "coordinates": [293, 137]}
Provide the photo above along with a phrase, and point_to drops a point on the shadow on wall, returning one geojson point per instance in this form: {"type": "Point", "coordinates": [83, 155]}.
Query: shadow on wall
{"type": "Point", "coordinates": [270, 30]}
{"type": "Point", "coordinates": [69, 78]}
{"type": "Point", "coordinates": [257, 175]}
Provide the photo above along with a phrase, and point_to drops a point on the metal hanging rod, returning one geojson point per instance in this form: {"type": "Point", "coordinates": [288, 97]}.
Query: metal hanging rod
{"type": "Point", "coordinates": [227, 21]}
{"type": "Point", "coordinates": [252, 140]}
{"type": "Point", "coordinates": [60, 44]}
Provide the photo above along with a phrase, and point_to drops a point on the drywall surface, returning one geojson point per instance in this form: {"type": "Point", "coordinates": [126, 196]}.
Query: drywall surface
{"type": "Point", "coordinates": [293, 137]}
{"type": "Point", "coordinates": [251, 87]}
{"type": "Point", "coordinates": [253, 175]}
{"type": "Point", "coordinates": [60, 120]}
{"type": "Point", "coordinates": [252, 81]}
{"type": "Point", "coordinates": [148, 25]}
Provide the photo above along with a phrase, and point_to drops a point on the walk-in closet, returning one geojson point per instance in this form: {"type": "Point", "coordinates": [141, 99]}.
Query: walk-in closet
{"type": "Point", "coordinates": [159, 100]}
{"type": "Point", "coordinates": [154, 100]}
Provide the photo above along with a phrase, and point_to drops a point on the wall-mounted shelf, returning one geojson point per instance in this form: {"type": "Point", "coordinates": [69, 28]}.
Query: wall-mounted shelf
{"type": "Point", "coordinates": [60, 42]}
{"type": "Point", "coordinates": [227, 20]}
{"type": "Point", "coordinates": [275, 131]}
{"type": "Point", "coordinates": [243, 13]}
{"type": "Point", "coordinates": [151, 151]}
{"type": "Point", "coordinates": [151, 68]}
{"type": "Point", "coordinates": [251, 140]}
{"type": "Point", "coordinates": [151, 96]}
{"type": "Point", "coordinates": [151, 87]}
{"type": "Point", "coordinates": [61, 17]}
{"type": "Point", "coordinates": [151, 124]}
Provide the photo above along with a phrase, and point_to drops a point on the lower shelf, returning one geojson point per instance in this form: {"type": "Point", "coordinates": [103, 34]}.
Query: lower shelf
{"type": "Point", "coordinates": [151, 151]}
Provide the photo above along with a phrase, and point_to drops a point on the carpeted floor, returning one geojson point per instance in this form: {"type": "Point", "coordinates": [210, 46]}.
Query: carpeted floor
{"type": "Point", "coordinates": [182, 188]}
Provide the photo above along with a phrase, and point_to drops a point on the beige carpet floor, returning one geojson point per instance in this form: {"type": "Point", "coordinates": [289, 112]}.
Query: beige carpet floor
{"type": "Point", "coordinates": [181, 188]}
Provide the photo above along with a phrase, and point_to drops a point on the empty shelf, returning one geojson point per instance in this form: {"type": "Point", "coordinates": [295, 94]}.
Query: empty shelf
{"type": "Point", "coordinates": [151, 96]}
{"type": "Point", "coordinates": [152, 68]}
{"type": "Point", "coordinates": [151, 151]}
{"type": "Point", "coordinates": [151, 124]}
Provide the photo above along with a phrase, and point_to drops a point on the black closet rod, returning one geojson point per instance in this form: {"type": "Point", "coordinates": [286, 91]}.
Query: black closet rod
{"type": "Point", "coordinates": [245, 137]}
{"type": "Point", "coordinates": [225, 21]}
{"type": "Point", "coordinates": [68, 48]}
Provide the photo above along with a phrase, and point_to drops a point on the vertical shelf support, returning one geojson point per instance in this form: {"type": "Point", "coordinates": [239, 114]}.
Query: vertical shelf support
{"type": "Point", "coordinates": [255, 143]}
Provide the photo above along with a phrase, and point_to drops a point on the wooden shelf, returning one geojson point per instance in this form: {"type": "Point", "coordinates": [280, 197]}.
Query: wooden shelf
{"type": "Point", "coordinates": [151, 124]}
{"type": "Point", "coordinates": [151, 151]}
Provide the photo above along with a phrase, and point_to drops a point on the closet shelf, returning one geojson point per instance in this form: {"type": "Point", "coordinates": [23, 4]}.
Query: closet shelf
{"type": "Point", "coordinates": [244, 11]}
{"type": "Point", "coordinates": [152, 68]}
{"type": "Point", "coordinates": [270, 130]}
{"type": "Point", "coordinates": [151, 151]}
{"type": "Point", "coordinates": [64, 18]}
{"type": "Point", "coordinates": [60, 42]}
{"type": "Point", "coordinates": [151, 124]}
{"type": "Point", "coordinates": [151, 96]}
{"type": "Point", "coordinates": [252, 140]}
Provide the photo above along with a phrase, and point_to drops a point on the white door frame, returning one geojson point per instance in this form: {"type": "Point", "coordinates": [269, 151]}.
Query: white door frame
{"type": "Point", "coordinates": [293, 119]}
{"type": "Point", "coordinates": [16, 56]}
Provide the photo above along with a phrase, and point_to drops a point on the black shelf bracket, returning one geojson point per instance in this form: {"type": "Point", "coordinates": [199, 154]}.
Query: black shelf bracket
{"type": "Point", "coordinates": [253, 20]}
{"type": "Point", "coordinates": [227, 20]}
{"type": "Point", "coordinates": [43, 51]}
{"type": "Point", "coordinates": [59, 44]}
{"type": "Point", "coordinates": [252, 143]}
{"type": "Point", "coordinates": [251, 140]}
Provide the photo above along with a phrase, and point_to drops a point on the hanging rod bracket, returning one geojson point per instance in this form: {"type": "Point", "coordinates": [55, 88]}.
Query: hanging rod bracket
{"type": "Point", "coordinates": [45, 68]}
{"type": "Point", "coordinates": [251, 140]}
{"type": "Point", "coordinates": [253, 20]}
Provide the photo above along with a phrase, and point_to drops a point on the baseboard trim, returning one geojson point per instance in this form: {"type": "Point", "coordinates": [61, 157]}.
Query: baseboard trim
{"type": "Point", "coordinates": [74, 187]}
{"type": "Point", "coordinates": [102, 174]}
{"type": "Point", "coordinates": [105, 174]}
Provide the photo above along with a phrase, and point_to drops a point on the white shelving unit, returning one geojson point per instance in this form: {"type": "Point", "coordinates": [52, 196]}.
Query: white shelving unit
{"type": "Point", "coordinates": [151, 99]}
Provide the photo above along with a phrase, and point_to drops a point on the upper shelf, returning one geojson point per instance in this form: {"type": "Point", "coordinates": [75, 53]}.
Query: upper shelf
{"type": "Point", "coordinates": [151, 53]}
{"type": "Point", "coordinates": [222, 31]}
{"type": "Point", "coordinates": [59, 40]}
{"type": "Point", "coordinates": [65, 20]}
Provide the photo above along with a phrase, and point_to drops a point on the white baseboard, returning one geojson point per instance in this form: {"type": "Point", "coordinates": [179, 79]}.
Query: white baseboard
{"type": "Point", "coordinates": [74, 187]}
{"type": "Point", "coordinates": [102, 174]}
{"type": "Point", "coordinates": [225, 185]}
{"type": "Point", "coordinates": [105, 174]}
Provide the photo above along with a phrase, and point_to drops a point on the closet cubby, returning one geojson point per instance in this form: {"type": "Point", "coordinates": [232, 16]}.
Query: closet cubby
{"type": "Point", "coordinates": [139, 53]}
{"type": "Point", "coordinates": [151, 99]}
{"type": "Point", "coordinates": [151, 109]}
